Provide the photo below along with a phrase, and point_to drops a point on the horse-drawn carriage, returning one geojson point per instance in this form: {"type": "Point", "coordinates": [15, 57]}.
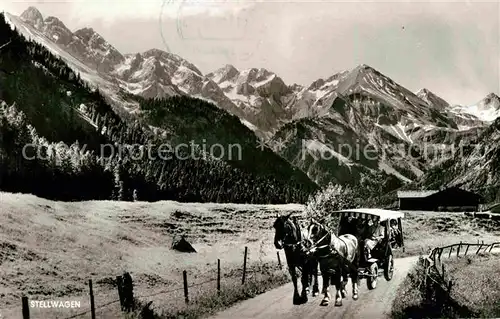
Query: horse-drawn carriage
{"type": "Point", "coordinates": [356, 221]}
{"type": "Point", "coordinates": [340, 254]}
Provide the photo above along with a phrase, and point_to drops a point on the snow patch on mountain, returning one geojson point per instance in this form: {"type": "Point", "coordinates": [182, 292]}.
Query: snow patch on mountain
{"type": "Point", "coordinates": [360, 103]}
{"type": "Point", "coordinates": [88, 74]}
{"type": "Point", "coordinates": [432, 99]}
{"type": "Point", "coordinates": [487, 110]}
{"type": "Point", "coordinates": [249, 125]}
{"type": "Point", "coordinates": [391, 171]}
{"type": "Point", "coordinates": [247, 87]}
{"type": "Point", "coordinates": [398, 131]}
{"type": "Point", "coordinates": [326, 152]}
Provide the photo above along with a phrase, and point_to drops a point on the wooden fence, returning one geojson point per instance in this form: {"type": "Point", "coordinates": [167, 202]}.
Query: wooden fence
{"type": "Point", "coordinates": [484, 215]}
{"type": "Point", "coordinates": [127, 297]}
{"type": "Point", "coordinates": [438, 283]}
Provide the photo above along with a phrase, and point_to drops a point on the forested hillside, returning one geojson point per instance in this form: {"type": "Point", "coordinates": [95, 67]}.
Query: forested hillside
{"type": "Point", "coordinates": [48, 105]}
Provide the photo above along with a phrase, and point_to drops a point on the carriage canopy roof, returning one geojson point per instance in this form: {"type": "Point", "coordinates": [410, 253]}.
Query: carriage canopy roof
{"type": "Point", "coordinates": [370, 213]}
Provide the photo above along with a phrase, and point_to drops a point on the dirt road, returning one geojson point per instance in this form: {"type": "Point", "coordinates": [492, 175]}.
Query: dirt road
{"type": "Point", "coordinates": [277, 303]}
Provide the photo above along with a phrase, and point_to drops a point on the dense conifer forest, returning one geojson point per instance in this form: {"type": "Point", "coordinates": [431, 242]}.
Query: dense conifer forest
{"type": "Point", "coordinates": [47, 106]}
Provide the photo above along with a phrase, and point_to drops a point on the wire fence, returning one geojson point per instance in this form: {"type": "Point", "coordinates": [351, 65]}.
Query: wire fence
{"type": "Point", "coordinates": [179, 295]}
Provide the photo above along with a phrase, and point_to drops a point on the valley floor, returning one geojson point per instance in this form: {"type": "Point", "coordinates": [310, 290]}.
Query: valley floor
{"type": "Point", "coordinates": [49, 250]}
{"type": "Point", "coordinates": [424, 231]}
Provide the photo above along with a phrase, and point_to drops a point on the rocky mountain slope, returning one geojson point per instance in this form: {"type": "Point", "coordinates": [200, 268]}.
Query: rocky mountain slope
{"type": "Point", "coordinates": [262, 95]}
{"type": "Point", "coordinates": [357, 109]}
{"type": "Point", "coordinates": [486, 110]}
{"type": "Point", "coordinates": [432, 99]}
{"type": "Point", "coordinates": [366, 122]}
{"type": "Point", "coordinates": [85, 43]}
{"type": "Point", "coordinates": [150, 74]}
{"type": "Point", "coordinates": [475, 167]}
{"type": "Point", "coordinates": [162, 152]}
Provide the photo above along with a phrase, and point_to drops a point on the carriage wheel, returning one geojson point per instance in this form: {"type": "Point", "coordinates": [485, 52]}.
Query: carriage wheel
{"type": "Point", "coordinates": [371, 281]}
{"type": "Point", "coordinates": [389, 267]}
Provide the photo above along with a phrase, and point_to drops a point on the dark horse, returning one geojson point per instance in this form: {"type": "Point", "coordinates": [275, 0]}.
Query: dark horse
{"type": "Point", "coordinates": [338, 258]}
{"type": "Point", "coordinates": [289, 236]}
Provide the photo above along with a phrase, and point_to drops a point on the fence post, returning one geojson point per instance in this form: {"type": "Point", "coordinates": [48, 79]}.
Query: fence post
{"type": "Point", "coordinates": [480, 246]}
{"type": "Point", "coordinates": [451, 250]}
{"type": "Point", "coordinates": [119, 285]}
{"type": "Point", "coordinates": [92, 305]}
{"type": "Point", "coordinates": [450, 283]}
{"type": "Point", "coordinates": [458, 249]}
{"type": "Point", "coordinates": [279, 260]}
{"type": "Point", "coordinates": [218, 276]}
{"type": "Point", "coordinates": [244, 266]}
{"type": "Point", "coordinates": [26, 309]}
{"type": "Point", "coordinates": [492, 245]}
{"type": "Point", "coordinates": [184, 277]}
{"type": "Point", "coordinates": [466, 250]}
{"type": "Point", "coordinates": [128, 292]}
{"type": "Point", "coordinates": [428, 283]}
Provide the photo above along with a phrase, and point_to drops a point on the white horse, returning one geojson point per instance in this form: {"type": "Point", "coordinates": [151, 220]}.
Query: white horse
{"type": "Point", "coordinates": [338, 257]}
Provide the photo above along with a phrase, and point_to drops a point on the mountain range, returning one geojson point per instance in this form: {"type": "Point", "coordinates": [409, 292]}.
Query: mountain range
{"type": "Point", "coordinates": [354, 109]}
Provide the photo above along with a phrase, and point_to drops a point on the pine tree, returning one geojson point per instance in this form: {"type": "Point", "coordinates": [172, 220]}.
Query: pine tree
{"type": "Point", "coordinates": [118, 192]}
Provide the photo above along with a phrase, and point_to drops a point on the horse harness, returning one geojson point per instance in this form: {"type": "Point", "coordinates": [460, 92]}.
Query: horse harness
{"type": "Point", "coordinates": [333, 251]}
{"type": "Point", "coordinates": [293, 246]}
{"type": "Point", "coordinates": [299, 239]}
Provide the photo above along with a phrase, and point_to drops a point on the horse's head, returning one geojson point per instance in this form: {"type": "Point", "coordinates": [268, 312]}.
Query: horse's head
{"type": "Point", "coordinates": [316, 233]}
{"type": "Point", "coordinates": [316, 230]}
{"type": "Point", "coordinates": [285, 231]}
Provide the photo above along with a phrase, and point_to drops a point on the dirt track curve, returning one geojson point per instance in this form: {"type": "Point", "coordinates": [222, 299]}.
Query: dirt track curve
{"type": "Point", "coordinates": [277, 303]}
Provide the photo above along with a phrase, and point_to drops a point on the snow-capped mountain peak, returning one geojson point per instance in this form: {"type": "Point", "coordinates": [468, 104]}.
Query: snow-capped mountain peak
{"type": "Point", "coordinates": [359, 103]}
{"type": "Point", "coordinates": [170, 59]}
{"type": "Point", "coordinates": [87, 34]}
{"type": "Point", "coordinates": [366, 83]}
{"type": "Point", "coordinates": [57, 31]}
{"type": "Point", "coordinates": [490, 101]}
{"type": "Point", "coordinates": [54, 21]}
{"type": "Point", "coordinates": [423, 92]}
{"type": "Point", "coordinates": [226, 73]}
{"type": "Point", "coordinates": [487, 109]}
{"type": "Point", "coordinates": [100, 48]}
{"type": "Point", "coordinates": [432, 99]}
{"type": "Point", "coordinates": [32, 16]}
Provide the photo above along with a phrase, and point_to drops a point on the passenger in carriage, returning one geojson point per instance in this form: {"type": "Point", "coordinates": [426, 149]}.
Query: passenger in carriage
{"type": "Point", "coordinates": [361, 231]}
{"type": "Point", "coordinates": [395, 233]}
{"type": "Point", "coordinates": [394, 229]}
{"type": "Point", "coordinates": [374, 234]}
{"type": "Point", "coordinates": [350, 226]}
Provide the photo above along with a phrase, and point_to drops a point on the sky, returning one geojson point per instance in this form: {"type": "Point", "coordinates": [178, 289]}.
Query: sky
{"type": "Point", "coordinates": [452, 48]}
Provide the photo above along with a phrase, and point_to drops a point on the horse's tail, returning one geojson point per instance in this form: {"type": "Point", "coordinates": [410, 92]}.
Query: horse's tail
{"type": "Point", "coordinates": [357, 254]}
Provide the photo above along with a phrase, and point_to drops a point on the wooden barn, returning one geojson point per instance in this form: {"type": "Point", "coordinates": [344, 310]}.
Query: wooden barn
{"type": "Point", "coordinates": [447, 199]}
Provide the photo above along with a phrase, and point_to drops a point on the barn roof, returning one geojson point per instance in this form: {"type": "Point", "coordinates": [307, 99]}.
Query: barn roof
{"type": "Point", "coordinates": [416, 194]}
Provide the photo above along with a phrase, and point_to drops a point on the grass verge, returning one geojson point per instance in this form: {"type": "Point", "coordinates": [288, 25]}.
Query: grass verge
{"type": "Point", "coordinates": [475, 291]}
{"type": "Point", "coordinates": [476, 284]}
{"type": "Point", "coordinates": [210, 302]}
{"type": "Point", "coordinates": [424, 231]}
{"type": "Point", "coordinates": [410, 295]}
